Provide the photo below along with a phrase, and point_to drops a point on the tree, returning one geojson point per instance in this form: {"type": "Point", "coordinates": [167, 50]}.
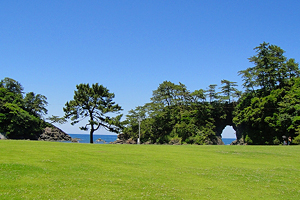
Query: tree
{"type": "Point", "coordinates": [229, 89]}
{"type": "Point", "coordinates": [248, 79]}
{"type": "Point", "coordinates": [35, 104]}
{"type": "Point", "coordinates": [212, 94]}
{"type": "Point", "coordinates": [198, 95]}
{"type": "Point", "coordinates": [292, 69]}
{"type": "Point", "coordinates": [95, 103]}
{"type": "Point", "coordinates": [271, 68]}
{"type": "Point", "coordinates": [169, 94]}
{"type": "Point", "coordinates": [57, 119]}
{"type": "Point", "coordinates": [11, 85]}
{"type": "Point", "coordinates": [17, 122]}
{"type": "Point", "coordinates": [269, 107]}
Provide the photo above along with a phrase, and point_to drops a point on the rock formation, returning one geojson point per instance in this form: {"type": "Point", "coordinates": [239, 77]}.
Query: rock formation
{"type": "Point", "coordinates": [121, 140]}
{"type": "Point", "coordinates": [54, 134]}
{"type": "Point", "coordinates": [2, 137]}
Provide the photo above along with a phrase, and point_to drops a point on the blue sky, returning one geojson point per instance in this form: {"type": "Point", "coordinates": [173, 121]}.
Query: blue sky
{"type": "Point", "coordinates": [131, 47]}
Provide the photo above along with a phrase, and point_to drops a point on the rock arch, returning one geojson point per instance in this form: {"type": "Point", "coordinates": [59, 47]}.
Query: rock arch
{"type": "Point", "coordinates": [221, 123]}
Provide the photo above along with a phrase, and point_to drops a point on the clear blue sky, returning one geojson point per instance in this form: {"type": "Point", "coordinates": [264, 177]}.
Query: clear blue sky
{"type": "Point", "coordinates": [132, 46]}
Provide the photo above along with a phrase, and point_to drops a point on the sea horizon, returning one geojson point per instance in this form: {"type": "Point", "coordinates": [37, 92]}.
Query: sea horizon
{"type": "Point", "coordinates": [107, 138]}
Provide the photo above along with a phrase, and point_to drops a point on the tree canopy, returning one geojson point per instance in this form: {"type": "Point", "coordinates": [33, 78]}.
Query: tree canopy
{"type": "Point", "coordinates": [20, 117]}
{"type": "Point", "coordinates": [175, 115]}
{"type": "Point", "coordinates": [94, 102]}
{"type": "Point", "coordinates": [267, 110]}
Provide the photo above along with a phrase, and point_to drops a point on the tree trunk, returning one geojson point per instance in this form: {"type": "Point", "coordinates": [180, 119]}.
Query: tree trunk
{"type": "Point", "coordinates": [92, 127]}
{"type": "Point", "coordinates": [91, 136]}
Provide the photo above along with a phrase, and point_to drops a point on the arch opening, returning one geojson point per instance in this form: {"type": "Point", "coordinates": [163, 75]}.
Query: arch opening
{"type": "Point", "coordinates": [228, 134]}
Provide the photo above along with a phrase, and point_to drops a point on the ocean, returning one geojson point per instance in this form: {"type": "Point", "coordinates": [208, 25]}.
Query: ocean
{"type": "Point", "coordinates": [227, 141]}
{"type": "Point", "coordinates": [85, 138]}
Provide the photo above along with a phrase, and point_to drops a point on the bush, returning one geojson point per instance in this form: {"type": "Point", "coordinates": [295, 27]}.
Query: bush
{"type": "Point", "coordinates": [296, 140]}
{"type": "Point", "coordinates": [276, 141]}
{"type": "Point", "coordinates": [175, 140]}
{"type": "Point", "coordinates": [248, 140]}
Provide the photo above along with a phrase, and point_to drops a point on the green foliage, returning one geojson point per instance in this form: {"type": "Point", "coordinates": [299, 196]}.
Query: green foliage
{"type": "Point", "coordinates": [95, 103]}
{"type": "Point", "coordinates": [57, 119]}
{"type": "Point", "coordinates": [35, 104]}
{"type": "Point", "coordinates": [176, 114]}
{"type": "Point", "coordinates": [20, 118]}
{"type": "Point", "coordinates": [296, 140]}
{"type": "Point", "coordinates": [276, 141]}
{"type": "Point", "coordinates": [18, 123]}
{"type": "Point", "coordinates": [175, 140]}
{"type": "Point", "coordinates": [271, 68]}
{"type": "Point", "coordinates": [248, 140]}
{"type": "Point", "coordinates": [202, 137]}
{"type": "Point", "coordinates": [269, 108]}
{"type": "Point", "coordinates": [198, 95]}
{"type": "Point", "coordinates": [211, 92]}
{"type": "Point", "coordinates": [170, 94]}
{"type": "Point", "coordinates": [229, 91]}
{"type": "Point", "coordinates": [11, 85]}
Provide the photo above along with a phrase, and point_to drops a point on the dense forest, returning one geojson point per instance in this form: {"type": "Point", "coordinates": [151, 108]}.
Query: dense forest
{"type": "Point", "coordinates": [265, 113]}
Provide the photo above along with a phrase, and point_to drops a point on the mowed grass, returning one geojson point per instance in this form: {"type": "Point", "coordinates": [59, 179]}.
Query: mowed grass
{"type": "Point", "coordinates": [51, 170]}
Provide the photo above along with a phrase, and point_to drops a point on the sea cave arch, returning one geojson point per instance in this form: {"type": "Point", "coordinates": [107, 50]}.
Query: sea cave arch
{"type": "Point", "coordinates": [222, 122]}
{"type": "Point", "coordinates": [228, 132]}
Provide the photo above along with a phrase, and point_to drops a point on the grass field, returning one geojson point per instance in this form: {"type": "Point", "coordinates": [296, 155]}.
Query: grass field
{"type": "Point", "coordinates": [51, 170]}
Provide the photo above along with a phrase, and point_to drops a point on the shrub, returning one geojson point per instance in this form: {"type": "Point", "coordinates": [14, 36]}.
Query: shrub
{"type": "Point", "coordinates": [175, 140]}
{"type": "Point", "coordinates": [296, 140]}
{"type": "Point", "coordinates": [248, 140]}
{"type": "Point", "coordinates": [276, 141]}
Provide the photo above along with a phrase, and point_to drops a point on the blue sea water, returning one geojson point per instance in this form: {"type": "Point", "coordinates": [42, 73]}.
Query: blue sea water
{"type": "Point", "coordinates": [85, 138]}
{"type": "Point", "coordinates": [227, 141]}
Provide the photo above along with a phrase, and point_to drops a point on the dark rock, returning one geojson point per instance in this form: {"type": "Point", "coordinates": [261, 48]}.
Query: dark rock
{"type": "Point", "coordinates": [100, 140]}
{"type": "Point", "coordinates": [148, 142]}
{"type": "Point", "coordinates": [121, 136]}
{"type": "Point", "coordinates": [54, 134]}
{"type": "Point", "coordinates": [220, 141]}
{"type": "Point", "coordinates": [2, 137]}
{"type": "Point", "coordinates": [130, 141]}
{"type": "Point", "coordinates": [75, 140]}
{"type": "Point", "coordinates": [214, 140]}
{"type": "Point", "coordinates": [238, 142]}
{"type": "Point", "coordinates": [122, 140]}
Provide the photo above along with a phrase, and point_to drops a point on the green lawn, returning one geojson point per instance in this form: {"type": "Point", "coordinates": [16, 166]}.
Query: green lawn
{"type": "Point", "coordinates": [51, 170]}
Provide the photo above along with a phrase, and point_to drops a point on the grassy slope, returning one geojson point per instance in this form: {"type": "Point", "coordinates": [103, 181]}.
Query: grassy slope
{"type": "Point", "coordinates": [49, 170]}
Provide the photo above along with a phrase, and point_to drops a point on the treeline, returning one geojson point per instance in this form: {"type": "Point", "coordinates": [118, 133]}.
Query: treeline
{"type": "Point", "coordinates": [176, 115]}
{"type": "Point", "coordinates": [21, 114]}
{"type": "Point", "coordinates": [265, 113]}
